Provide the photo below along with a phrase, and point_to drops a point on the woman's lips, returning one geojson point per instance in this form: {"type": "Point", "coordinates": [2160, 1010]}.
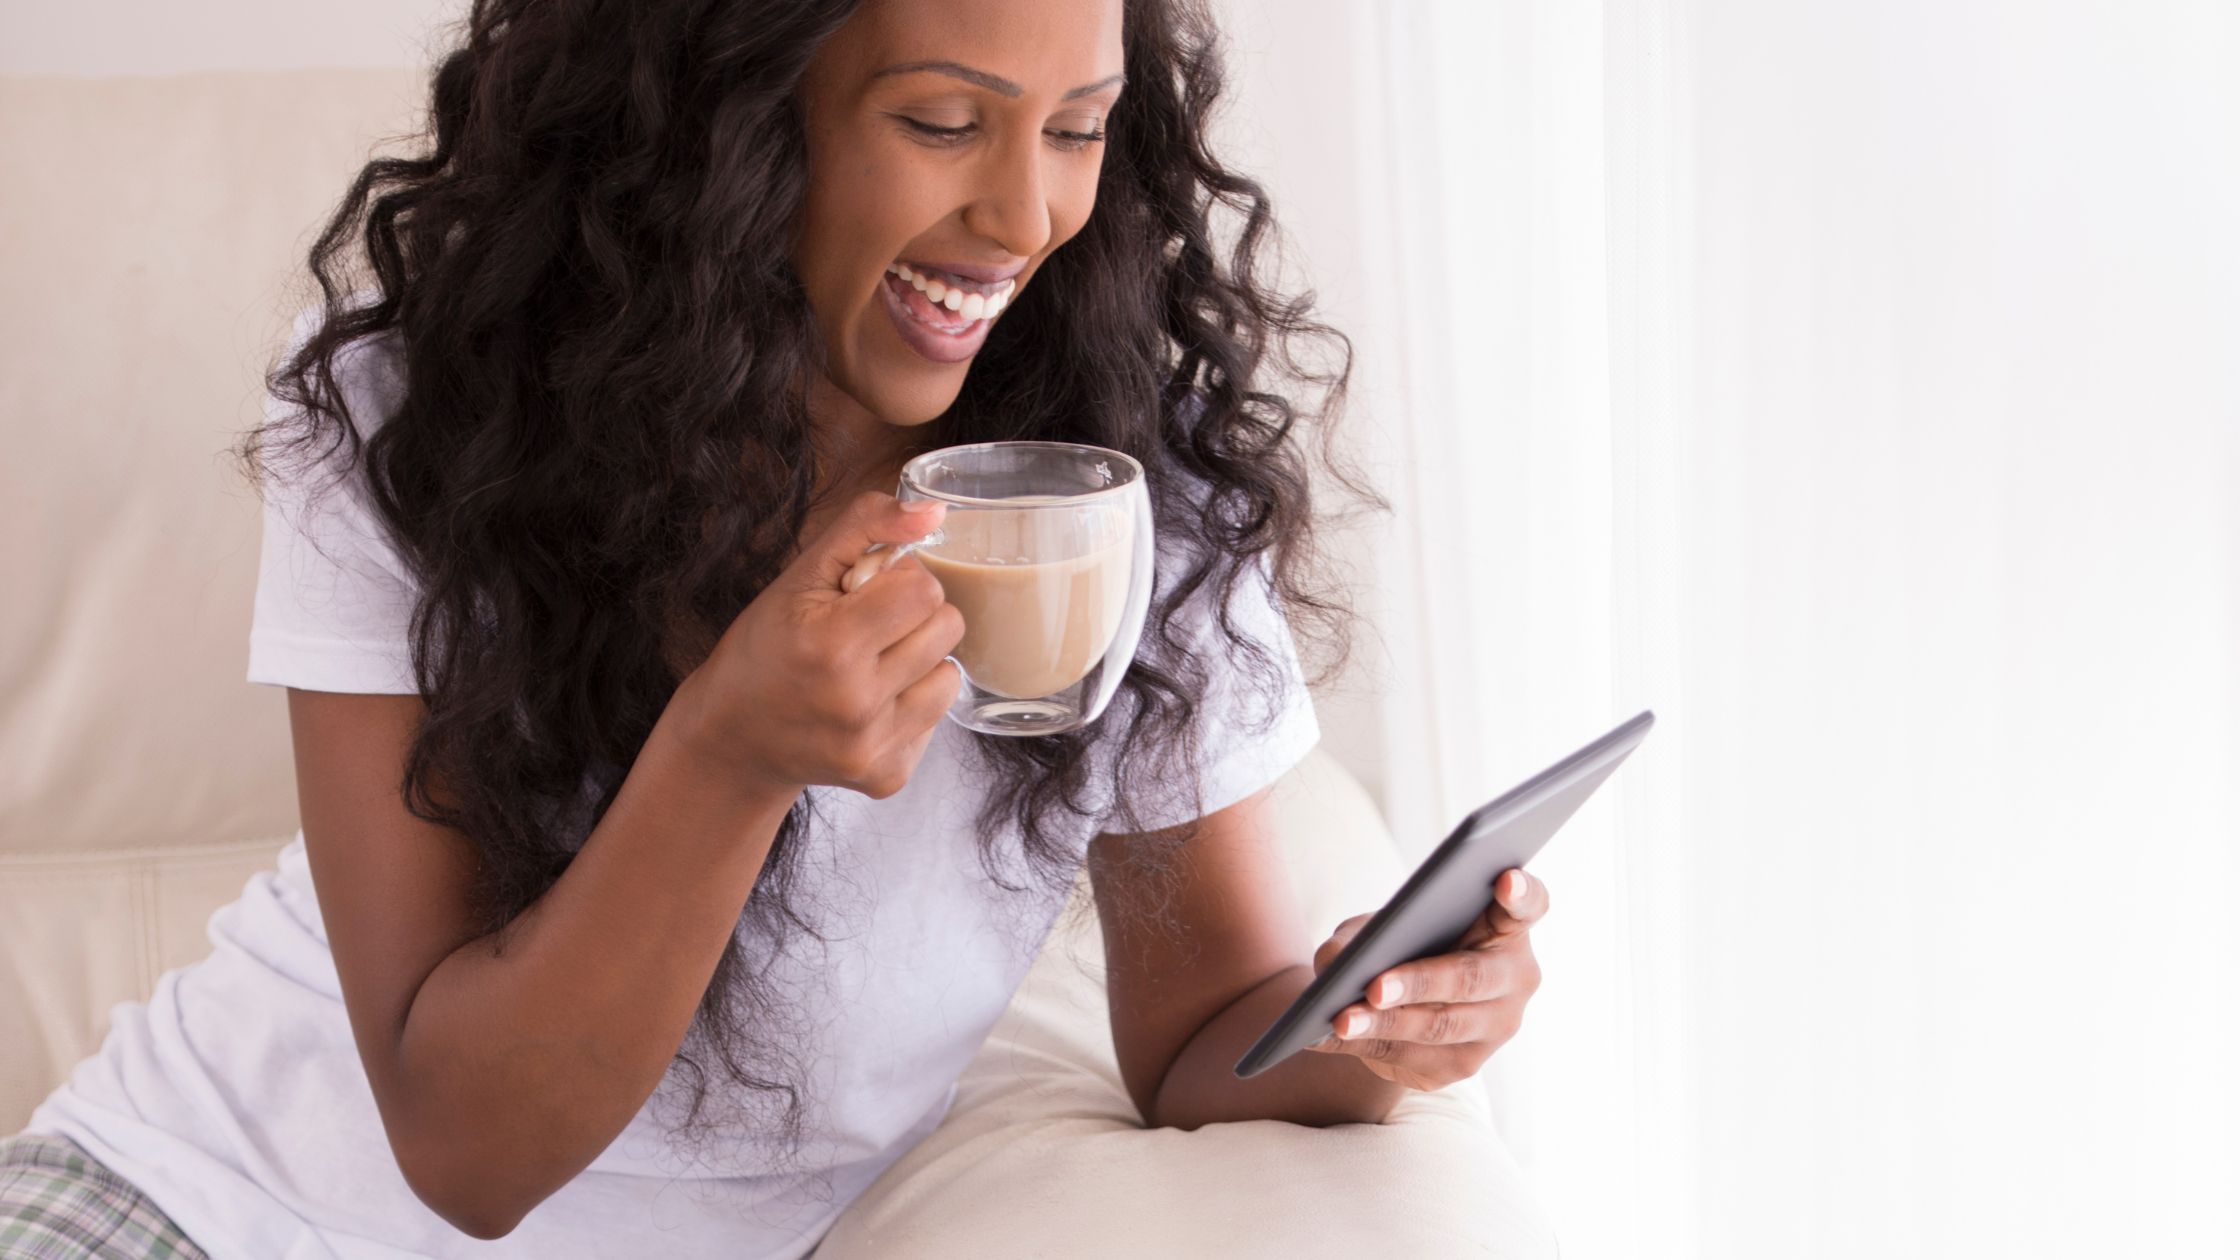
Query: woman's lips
{"type": "Point", "coordinates": [977, 275]}
{"type": "Point", "coordinates": [925, 327]}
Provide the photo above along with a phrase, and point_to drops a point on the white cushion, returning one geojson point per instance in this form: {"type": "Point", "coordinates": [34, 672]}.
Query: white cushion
{"type": "Point", "coordinates": [82, 932]}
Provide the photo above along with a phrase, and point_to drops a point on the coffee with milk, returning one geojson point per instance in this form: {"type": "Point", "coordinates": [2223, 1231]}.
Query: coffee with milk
{"type": "Point", "coordinates": [1042, 592]}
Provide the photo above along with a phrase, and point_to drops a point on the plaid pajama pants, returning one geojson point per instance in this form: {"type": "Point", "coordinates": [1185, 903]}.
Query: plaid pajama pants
{"type": "Point", "coordinates": [59, 1203]}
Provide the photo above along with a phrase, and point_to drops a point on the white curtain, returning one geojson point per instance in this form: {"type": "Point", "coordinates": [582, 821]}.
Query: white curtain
{"type": "Point", "coordinates": [1857, 386]}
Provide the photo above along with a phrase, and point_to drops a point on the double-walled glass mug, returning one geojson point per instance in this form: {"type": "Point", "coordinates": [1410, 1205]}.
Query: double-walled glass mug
{"type": "Point", "coordinates": [1047, 551]}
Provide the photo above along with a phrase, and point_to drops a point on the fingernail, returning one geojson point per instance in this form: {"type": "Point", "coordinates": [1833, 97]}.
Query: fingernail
{"type": "Point", "coordinates": [1392, 990]}
{"type": "Point", "coordinates": [1354, 1025]}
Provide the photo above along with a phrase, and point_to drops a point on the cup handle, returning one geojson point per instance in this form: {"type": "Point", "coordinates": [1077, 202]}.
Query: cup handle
{"type": "Point", "coordinates": [879, 557]}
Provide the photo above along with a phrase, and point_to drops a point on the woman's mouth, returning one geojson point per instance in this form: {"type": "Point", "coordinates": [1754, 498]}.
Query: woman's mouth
{"type": "Point", "coordinates": [944, 318]}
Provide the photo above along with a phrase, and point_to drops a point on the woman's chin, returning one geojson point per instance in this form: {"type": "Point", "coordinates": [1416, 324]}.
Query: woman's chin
{"type": "Point", "coordinates": [906, 403]}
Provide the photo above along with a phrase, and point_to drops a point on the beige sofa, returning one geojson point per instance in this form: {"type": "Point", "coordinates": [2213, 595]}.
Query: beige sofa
{"type": "Point", "coordinates": [142, 781]}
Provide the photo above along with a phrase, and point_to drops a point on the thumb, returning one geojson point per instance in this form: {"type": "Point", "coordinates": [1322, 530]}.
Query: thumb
{"type": "Point", "coordinates": [1340, 937]}
{"type": "Point", "coordinates": [871, 518]}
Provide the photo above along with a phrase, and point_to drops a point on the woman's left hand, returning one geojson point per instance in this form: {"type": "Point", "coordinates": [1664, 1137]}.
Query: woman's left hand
{"type": "Point", "coordinates": [1452, 1010]}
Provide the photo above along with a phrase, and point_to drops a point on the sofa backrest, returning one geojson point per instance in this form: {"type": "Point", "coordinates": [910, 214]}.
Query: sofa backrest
{"type": "Point", "coordinates": [154, 229]}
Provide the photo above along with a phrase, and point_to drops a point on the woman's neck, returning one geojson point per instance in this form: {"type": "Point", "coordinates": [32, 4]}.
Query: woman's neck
{"type": "Point", "coordinates": [855, 449]}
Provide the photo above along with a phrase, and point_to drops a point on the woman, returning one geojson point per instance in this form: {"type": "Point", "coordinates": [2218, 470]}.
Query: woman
{"type": "Point", "coordinates": [558, 504]}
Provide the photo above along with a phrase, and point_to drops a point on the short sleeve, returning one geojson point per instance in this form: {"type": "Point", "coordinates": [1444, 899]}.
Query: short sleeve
{"type": "Point", "coordinates": [1243, 747]}
{"type": "Point", "coordinates": [334, 600]}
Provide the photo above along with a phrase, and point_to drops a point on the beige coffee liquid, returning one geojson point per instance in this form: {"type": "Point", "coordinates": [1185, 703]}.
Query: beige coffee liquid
{"type": "Point", "coordinates": [1034, 626]}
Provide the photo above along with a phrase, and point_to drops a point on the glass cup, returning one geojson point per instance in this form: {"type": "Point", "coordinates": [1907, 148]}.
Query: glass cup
{"type": "Point", "coordinates": [1047, 551]}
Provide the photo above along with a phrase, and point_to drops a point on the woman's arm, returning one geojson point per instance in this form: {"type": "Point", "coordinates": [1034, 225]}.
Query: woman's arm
{"type": "Point", "coordinates": [499, 1077]}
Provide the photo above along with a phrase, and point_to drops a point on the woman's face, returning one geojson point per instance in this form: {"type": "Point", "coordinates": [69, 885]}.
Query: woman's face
{"type": "Point", "coordinates": [950, 152]}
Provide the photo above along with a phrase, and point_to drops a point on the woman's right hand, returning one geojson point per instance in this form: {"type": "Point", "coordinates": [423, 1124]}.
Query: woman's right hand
{"type": "Point", "coordinates": [810, 684]}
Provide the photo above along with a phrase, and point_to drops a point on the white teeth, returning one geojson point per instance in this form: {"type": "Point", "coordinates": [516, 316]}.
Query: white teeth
{"type": "Point", "coordinates": [973, 306]}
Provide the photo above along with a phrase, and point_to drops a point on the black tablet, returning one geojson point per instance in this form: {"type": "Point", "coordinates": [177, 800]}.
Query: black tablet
{"type": "Point", "coordinates": [1448, 891]}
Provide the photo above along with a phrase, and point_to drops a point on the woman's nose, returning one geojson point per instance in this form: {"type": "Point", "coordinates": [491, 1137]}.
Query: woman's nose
{"type": "Point", "coordinates": [1012, 206]}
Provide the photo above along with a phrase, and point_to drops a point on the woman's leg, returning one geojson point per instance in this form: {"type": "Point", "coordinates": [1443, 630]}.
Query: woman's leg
{"type": "Point", "coordinates": [59, 1203]}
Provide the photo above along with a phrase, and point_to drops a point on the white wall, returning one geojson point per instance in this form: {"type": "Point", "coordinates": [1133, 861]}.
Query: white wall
{"type": "Point", "coordinates": [146, 37]}
{"type": "Point", "coordinates": [1293, 121]}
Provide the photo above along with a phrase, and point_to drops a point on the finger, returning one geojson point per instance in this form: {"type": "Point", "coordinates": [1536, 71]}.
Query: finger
{"type": "Point", "coordinates": [1340, 937]}
{"type": "Point", "coordinates": [1466, 975]}
{"type": "Point", "coordinates": [1519, 901]}
{"type": "Point", "coordinates": [883, 613]}
{"type": "Point", "coordinates": [871, 517]}
{"type": "Point", "coordinates": [923, 702]}
{"type": "Point", "coordinates": [1419, 1067]}
{"type": "Point", "coordinates": [1525, 899]}
{"type": "Point", "coordinates": [922, 712]}
{"type": "Point", "coordinates": [923, 643]}
{"type": "Point", "coordinates": [1424, 1023]}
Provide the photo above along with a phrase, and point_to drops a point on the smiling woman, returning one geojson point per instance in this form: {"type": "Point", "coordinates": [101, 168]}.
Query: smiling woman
{"type": "Point", "coordinates": [607, 387]}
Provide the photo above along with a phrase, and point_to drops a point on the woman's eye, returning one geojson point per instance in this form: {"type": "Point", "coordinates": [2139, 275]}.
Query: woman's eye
{"type": "Point", "coordinates": [946, 135]}
{"type": "Point", "coordinates": [937, 134]}
{"type": "Point", "coordinates": [1076, 139]}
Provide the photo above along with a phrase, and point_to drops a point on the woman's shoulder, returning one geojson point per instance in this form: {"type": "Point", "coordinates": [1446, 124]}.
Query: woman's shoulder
{"type": "Point", "coordinates": [368, 383]}
{"type": "Point", "coordinates": [335, 596]}
{"type": "Point", "coordinates": [369, 366]}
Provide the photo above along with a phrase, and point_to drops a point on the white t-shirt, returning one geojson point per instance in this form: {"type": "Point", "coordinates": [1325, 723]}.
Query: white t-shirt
{"type": "Point", "coordinates": [234, 1096]}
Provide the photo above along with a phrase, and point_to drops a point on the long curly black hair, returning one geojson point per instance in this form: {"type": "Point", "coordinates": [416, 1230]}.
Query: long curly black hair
{"type": "Point", "coordinates": [602, 452]}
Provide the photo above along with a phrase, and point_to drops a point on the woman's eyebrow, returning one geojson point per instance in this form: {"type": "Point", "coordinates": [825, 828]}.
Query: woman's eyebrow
{"type": "Point", "coordinates": [981, 78]}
